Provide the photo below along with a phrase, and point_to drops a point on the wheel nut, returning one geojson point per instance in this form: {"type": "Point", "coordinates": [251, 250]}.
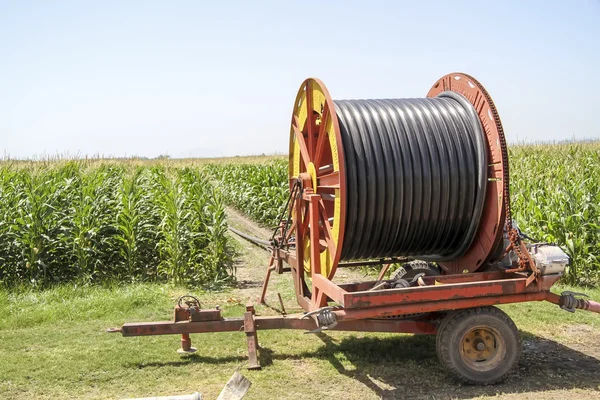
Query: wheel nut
{"type": "Point", "coordinates": [480, 346]}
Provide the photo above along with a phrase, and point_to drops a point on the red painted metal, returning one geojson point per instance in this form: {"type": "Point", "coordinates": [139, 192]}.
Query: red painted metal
{"type": "Point", "coordinates": [186, 342]}
{"type": "Point", "coordinates": [383, 271]}
{"type": "Point", "coordinates": [251, 337]}
{"type": "Point", "coordinates": [436, 306]}
{"type": "Point", "coordinates": [310, 120]}
{"type": "Point", "coordinates": [205, 315]}
{"type": "Point", "coordinates": [492, 220]}
{"type": "Point", "coordinates": [322, 140]}
{"type": "Point", "coordinates": [329, 181]}
{"type": "Point", "coordinates": [438, 293]}
{"type": "Point", "coordinates": [294, 321]}
{"type": "Point", "coordinates": [270, 268]}
{"type": "Point", "coordinates": [302, 143]}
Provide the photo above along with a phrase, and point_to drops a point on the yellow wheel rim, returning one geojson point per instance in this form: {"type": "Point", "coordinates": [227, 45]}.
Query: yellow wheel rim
{"type": "Point", "coordinates": [323, 158]}
{"type": "Point", "coordinates": [482, 348]}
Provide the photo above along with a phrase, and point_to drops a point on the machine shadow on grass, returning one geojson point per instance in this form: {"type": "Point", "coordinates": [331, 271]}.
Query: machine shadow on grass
{"type": "Point", "coordinates": [406, 366]}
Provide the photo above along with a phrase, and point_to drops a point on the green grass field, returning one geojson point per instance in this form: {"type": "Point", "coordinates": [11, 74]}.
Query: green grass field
{"type": "Point", "coordinates": [53, 345]}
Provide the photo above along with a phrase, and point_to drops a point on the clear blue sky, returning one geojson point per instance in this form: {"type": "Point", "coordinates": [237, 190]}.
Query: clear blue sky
{"type": "Point", "coordinates": [219, 78]}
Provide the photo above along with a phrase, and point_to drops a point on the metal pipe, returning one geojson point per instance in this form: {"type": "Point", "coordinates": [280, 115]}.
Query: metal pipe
{"type": "Point", "coordinates": [591, 305]}
{"type": "Point", "coordinates": [383, 271]}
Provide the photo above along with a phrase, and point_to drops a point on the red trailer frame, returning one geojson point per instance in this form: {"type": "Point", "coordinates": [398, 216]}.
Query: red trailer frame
{"type": "Point", "coordinates": [355, 307]}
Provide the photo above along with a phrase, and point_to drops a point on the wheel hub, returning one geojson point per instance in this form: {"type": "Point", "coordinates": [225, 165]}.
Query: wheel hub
{"type": "Point", "coordinates": [482, 348]}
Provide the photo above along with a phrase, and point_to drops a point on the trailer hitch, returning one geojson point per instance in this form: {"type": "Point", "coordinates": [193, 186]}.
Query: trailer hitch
{"type": "Point", "coordinates": [324, 317]}
{"type": "Point", "coordinates": [569, 302]}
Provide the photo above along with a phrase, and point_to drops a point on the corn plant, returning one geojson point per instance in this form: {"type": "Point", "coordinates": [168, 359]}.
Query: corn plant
{"type": "Point", "coordinates": [258, 190]}
{"type": "Point", "coordinates": [556, 198]}
{"type": "Point", "coordinates": [209, 241]}
{"type": "Point", "coordinates": [136, 222]}
{"type": "Point", "coordinates": [12, 260]}
{"type": "Point", "coordinates": [81, 221]}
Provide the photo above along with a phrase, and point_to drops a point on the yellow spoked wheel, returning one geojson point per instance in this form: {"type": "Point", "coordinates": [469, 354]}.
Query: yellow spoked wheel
{"type": "Point", "coordinates": [316, 150]}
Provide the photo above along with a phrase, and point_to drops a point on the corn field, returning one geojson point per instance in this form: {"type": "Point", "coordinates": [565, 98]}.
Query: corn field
{"type": "Point", "coordinates": [156, 221]}
{"type": "Point", "coordinates": [555, 192]}
{"type": "Point", "coordinates": [71, 221]}
{"type": "Point", "coordinates": [258, 190]}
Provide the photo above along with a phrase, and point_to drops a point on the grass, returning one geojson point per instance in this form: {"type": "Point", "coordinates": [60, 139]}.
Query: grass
{"type": "Point", "coordinates": [53, 345]}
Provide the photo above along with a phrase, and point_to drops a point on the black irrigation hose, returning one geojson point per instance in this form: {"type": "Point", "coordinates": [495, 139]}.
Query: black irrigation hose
{"type": "Point", "coordinates": [416, 174]}
{"type": "Point", "coordinates": [253, 239]}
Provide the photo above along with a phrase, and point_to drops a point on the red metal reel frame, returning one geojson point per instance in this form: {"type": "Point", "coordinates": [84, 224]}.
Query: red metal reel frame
{"type": "Point", "coordinates": [310, 209]}
{"type": "Point", "coordinates": [314, 144]}
{"type": "Point", "coordinates": [492, 221]}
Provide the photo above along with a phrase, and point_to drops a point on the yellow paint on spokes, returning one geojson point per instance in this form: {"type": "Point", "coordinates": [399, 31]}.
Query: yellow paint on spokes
{"type": "Point", "coordinates": [295, 166]}
{"type": "Point", "coordinates": [312, 171]}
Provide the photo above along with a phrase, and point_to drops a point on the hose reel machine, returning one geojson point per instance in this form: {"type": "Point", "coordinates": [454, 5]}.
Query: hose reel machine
{"type": "Point", "coordinates": [425, 178]}
{"type": "Point", "coordinates": [385, 181]}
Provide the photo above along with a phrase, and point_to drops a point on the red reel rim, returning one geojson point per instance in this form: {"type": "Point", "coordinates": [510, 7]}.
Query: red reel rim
{"type": "Point", "coordinates": [491, 225]}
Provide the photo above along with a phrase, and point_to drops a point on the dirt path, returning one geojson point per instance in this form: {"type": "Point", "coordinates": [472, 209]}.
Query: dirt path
{"type": "Point", "coordinates": [252, 261]}
{"type": "Point", "coordinates": [550, 368]}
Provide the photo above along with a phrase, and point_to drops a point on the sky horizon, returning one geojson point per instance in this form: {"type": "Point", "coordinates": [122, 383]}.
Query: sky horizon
{"type": "Point", "coordinates": [145, 79]}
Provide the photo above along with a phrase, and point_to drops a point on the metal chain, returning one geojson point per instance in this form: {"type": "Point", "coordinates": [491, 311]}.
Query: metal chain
{"type": "Point", "coordinates": [295, 192]}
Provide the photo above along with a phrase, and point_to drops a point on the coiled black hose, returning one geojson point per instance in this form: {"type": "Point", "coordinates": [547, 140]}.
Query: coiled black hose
{"type": "Point", "coordinates": [415, 176]}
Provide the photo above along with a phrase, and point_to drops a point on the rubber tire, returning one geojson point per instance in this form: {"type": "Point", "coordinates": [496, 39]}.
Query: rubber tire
{"type": "Point", "coordinates": [409, 270]}
{"type": "Point", "coordinates": [457, 323]}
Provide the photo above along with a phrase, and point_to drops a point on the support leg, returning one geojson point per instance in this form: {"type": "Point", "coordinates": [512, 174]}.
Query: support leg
{"type": "Point", "coordinates": [266, 282]}
{"type": "Point", "coordinates": [383, 271]}
{"type": "Point", "coordinates": [186, 344]}
{"type": "Point", "coordinates": [251, 337]}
